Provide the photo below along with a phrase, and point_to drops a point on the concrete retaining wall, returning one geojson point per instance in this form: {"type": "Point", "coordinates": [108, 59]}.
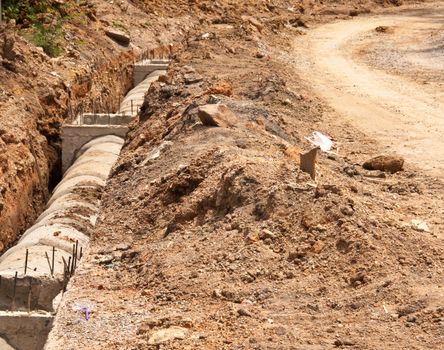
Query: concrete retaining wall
{"type": "Point", "coordinates": [102, 119]}
{"type": "Point", "coordinates": [75, 136]}
{"type": "Point", "coordinates": [145, 67]}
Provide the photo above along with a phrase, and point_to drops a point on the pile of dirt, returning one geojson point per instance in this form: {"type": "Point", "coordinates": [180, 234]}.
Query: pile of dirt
{"type": "Point", "coordinates": [210, 237]}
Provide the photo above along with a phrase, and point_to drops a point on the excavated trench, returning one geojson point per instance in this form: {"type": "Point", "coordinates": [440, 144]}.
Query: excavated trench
{"type": "Point", "coordinates": [35, 272]}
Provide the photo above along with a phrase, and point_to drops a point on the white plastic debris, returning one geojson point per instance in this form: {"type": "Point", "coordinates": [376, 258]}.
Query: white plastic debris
{"type": "Point", "coordinates": [85, 307]}
{"type": "Point", "coordinates": [320, 140]}
{"type": "Point", "coordinates": [155, 153]}
{"type": "Point", "coordinates": [419, 225]}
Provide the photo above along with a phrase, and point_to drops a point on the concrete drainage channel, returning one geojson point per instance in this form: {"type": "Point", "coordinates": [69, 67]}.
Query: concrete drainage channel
{"type": "Point", "coordinates": [35, 272]}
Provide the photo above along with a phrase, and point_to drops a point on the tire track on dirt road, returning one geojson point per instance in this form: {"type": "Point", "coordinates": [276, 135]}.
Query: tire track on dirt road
{"type": "Point", "coordinates": [406, 117]}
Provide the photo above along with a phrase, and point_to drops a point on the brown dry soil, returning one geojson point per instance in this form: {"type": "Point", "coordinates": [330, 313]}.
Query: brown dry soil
{"type": "Point", "coordinates": [212, 238]}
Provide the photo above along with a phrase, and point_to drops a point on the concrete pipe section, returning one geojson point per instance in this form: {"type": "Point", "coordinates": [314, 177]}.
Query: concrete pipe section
{"type": "Point", "coordinates": [46, 248]}
{"type": "Point", "coordinates": [134, 99]}
{"type": "Point", "coordinates": [36, 269]}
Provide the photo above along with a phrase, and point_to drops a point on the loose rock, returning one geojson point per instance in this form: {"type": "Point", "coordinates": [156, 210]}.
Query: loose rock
{"type": "Point", "coordinates": [420, 225]}
{"type": "Point", "coordinates": [167, 334]}
{"type": "Point", "coordinates": [217, 115]}
{"type": "Point", "coordinates": [389, 164]}
{"type": "Point", "coordinates": [117, 35]}
{"type": "Point", "coordinates": [244, 312]}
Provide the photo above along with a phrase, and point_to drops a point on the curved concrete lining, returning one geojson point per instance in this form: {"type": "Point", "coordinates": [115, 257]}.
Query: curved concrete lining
{"type": "Point", "coordinates": [84, 180]}
{"type": "Point", "coordinates": [137, 95]}
{"type": "Point", "coordinates": [79, 188]}
{"type": "Point", "coordinates": [73, 206]}
{"type": "Point", "coordinates": [75, 220]}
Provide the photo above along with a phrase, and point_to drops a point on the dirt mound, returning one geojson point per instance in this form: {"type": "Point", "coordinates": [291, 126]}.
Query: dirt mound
{"type": "Point", "coordinates": [228, 245]}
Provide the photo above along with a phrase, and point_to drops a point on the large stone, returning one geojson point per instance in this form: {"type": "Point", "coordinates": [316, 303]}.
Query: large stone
{"type": "Point", "coordinates": [217, 115]}
{"type": "Point", "coordinates": [167, 334]}
{"type": "Point", "coordinates": [4, 345]}
{"type": "Point", "coordinates": [389, 164]}
{"type": "Point", "coordinates": [119, 36]}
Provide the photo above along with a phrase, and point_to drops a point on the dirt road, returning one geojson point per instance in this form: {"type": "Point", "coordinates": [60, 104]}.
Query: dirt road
{"type": "Point", "coordinates": [386, 82]}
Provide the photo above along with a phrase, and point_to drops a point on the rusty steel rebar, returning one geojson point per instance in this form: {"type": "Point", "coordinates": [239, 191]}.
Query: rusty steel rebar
{"type": "Point", "coordinates": [69, 266]}
{"type": "Point", "coordinates": [26, 260]}
{"type": "Point", "coordinates": [73, 261]}
{"type": "Point", "coordinates": [53, 261]}
{"type": "Point", "coordinates": [49, 262]}
{"type": "Point", "coordinates": [76, 252]}
{"type": "Point", "coordinates": [14, 290]}
{"type": "Point", "coordinates": [30, 294]}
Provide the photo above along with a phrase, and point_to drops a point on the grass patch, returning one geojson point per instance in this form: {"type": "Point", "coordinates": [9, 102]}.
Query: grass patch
{"type": "Point", "coordinates": [40, 21]}
{"type": "Point", "coordinates": [48, 37]}
{"type": "Point", "coordinates": [25, 12]}
{"type": "Point", "coordinates": [119, 25]}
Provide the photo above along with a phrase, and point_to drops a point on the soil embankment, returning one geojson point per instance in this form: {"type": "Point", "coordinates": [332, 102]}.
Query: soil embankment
{"type": "Point", "coordinates": [210, 237]}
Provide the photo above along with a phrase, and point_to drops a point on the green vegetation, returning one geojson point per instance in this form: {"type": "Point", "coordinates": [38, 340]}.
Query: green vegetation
{"type": "Point", "coordinates": [25, 12]}
{"type": "Point", "coordinates": [49, 37]}
{"type": "Point", "coordinates": [119, 25]}
{"type": "Point", "coordinates": [41, 22]}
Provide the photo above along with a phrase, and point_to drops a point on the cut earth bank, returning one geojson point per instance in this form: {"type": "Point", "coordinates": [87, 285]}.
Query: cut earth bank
{"type": "Point", "coordinates": [211, 237]}
{"type": "Point", "coordinates": [38, 92]}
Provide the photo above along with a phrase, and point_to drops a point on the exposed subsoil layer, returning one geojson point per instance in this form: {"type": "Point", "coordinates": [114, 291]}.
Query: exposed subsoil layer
{"type": "Point", "coordinates": [212, 238]}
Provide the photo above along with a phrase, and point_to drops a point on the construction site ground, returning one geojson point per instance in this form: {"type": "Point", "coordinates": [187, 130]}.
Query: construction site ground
{"type": "Point", "coordinates": [213, 238]}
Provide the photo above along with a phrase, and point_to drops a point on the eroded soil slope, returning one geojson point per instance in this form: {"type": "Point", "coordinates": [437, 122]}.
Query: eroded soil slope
{"type": "Point", "coordinates": [212, 238]}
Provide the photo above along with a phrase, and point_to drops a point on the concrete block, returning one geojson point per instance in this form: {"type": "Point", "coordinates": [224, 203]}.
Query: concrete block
{"type": "Point", "coordinates": [101, 119]}
{"type": "Point", "coordinates": [24, 331]}
{"type": "Point", "coordinates": [31, 293]}
{"type": "Point", "coordinates": [75, 136]}
{"type": "Point", "coordinates": [146, 67]}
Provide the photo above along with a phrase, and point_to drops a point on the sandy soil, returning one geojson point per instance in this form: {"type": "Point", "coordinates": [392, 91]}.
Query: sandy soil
{"type": "Point", "coordinates": [387, 84]}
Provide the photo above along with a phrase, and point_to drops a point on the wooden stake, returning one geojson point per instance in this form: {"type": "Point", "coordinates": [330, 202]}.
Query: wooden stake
{"type": "Point", "coordinates": [308, 162]}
